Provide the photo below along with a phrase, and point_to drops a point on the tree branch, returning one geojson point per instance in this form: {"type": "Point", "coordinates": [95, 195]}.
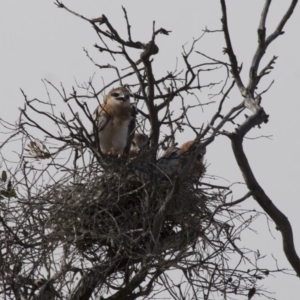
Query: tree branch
{"type": "Point", "coordinates": [281, 221]}
{"type": "Point", "coordinates": [229, 50]}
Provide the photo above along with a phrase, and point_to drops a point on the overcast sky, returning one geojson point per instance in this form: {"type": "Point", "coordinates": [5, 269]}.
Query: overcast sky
{"type": "Point", "coordinates": [39, 41]}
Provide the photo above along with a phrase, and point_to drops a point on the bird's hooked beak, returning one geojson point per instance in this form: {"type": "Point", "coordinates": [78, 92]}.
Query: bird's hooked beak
{"type": "Point", "coordinates": [122, 97]}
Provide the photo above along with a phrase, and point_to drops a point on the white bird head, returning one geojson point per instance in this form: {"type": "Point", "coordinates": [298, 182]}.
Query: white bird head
{"type": "Point", "coordinates": [119, 96]}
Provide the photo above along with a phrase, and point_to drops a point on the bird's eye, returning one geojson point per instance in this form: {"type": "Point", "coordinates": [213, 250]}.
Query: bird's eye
{"type": "Point", "coordinates": [115, 95]}
{"type": "Point", "coordinates": [127, 97]}
{"type": "Point", "coordinates": [199, 157]}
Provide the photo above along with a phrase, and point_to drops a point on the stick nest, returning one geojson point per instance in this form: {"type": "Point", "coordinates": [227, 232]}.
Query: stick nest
{"type": "Point", "coordinates": [117, 210]}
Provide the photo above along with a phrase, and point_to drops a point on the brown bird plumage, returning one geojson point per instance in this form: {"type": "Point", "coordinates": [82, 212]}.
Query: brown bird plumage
{"type": "Point", "coordinates": [174, 159]}
{"type": "Point", "coordinates": [115, 122]}
{"type": "Point", "coordinates": [139, 144]}
{"type": "Point", "coordinates": [186, 150]}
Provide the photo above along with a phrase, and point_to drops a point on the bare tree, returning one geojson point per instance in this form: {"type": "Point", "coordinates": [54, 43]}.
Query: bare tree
{"type": "Point", "coordinates": [77, 224]}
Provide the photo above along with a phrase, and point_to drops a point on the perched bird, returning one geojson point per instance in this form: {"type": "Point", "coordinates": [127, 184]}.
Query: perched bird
{"type": "Point", "coordinates": [174, 159]}
{"type": "Point", "coordinates": [115, 122]}
{"type": "Point", "coordinates": [139, 144]}
{"type": "Point", "coordinates": [186, 150]}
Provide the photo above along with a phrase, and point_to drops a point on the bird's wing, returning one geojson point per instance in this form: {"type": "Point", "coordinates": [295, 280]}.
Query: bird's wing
{"type": "Point", "coordinates": [131, 130]}
{"type": "Point", "coordinates": [100, 120]}
{"type": "Point", "coordinates": [170, 159]}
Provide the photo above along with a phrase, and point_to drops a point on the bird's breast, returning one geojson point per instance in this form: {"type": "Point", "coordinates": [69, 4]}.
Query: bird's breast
{"type": "Point", "coordinates": [113, 138]}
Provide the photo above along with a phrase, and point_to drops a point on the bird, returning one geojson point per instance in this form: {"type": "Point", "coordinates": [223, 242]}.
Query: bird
{"type": "Point", "coordinates": [186, 150]}
{"type": "Point", "coordinates": [114, 122]}
{"type": "Point", "coordinates": [174, 159]}
{"type": "Point", "coordinates": [139, 144]}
